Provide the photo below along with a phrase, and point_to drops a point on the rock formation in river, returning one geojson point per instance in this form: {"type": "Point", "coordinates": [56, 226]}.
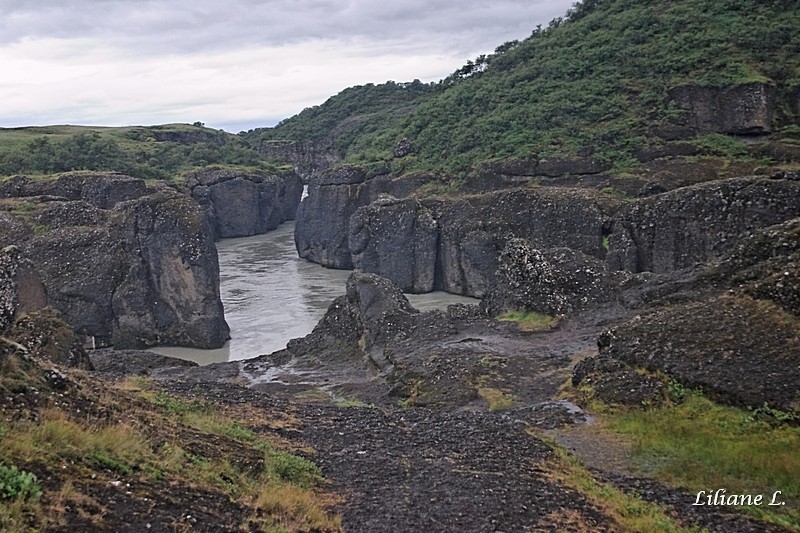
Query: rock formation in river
{"type": "Point", "coordinates": [130, 264]}
{"type": "Point", "coordinates": [396, 239]}
{"type": "Point", "coordinates": [243, 203]}
{"type": "Point", "coordinates": [343, 223]}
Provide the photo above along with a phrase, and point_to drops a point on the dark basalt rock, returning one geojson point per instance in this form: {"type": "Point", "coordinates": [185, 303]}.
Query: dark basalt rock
{"type": "Point", "coordinates": [323, 218]}
{"type": "Point", "coordinates": [100, 190]}
{"type": "Point", "coordinates": [46, 337]}
{"type": "Point", "coordinates": [743, 109]}
{"type": "Point", "coordinates": [474, 230]}
{"type": "Point", "coordinates": [395, 239]}
{"type": "Point", "coordinates": [133, 362]}
{"type": "Point", "coordinates": [765, 266]}
{"type": "Point", "coordinates": [515, 172]}
{"type": "Point", "coordinates": [21, 288]}
{"type": "Point", "coordinates": [309, 159]}
{"type": "Point", "coordinates": [140, 273]}
{"type": "Point", "coordinates": [556, 281]}
{"type": "Point", "coordinates": [241, 204]}
{"type": "Point", "coordinates": [696, 224]}
{"type": "Point", "coordinates": [615, 382]}
{"type": "Point", "coordinates": [712, 344]}
{"type": "Point", "coordinates": [362, 322]}
{"type": "Point", "coordinates": [707, 328]}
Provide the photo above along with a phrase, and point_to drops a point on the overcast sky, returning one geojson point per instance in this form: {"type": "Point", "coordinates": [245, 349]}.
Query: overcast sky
{"type": "Point", "coordinates": [233, 64]}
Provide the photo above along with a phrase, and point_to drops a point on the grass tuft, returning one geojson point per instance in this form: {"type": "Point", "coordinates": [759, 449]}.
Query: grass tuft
{"type": "Point", "coordinates": [528, 321]}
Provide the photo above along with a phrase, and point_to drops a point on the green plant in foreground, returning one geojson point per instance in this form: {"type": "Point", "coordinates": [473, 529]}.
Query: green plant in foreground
{"type": "Point", "coordinates": [16, 483]}
{"type": "Point", "coordinates": [629, 509]}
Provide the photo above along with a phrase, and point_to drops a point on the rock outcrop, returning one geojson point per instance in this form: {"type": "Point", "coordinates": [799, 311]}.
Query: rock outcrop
{"type": "Point", "coordinates": [474, 230]}
{"type": "Point", "coordinates": [696, 224]}
{"type": "Point", "coordinates": [743, 109]}
{"type": "Point", "coordinates": [170, 291]}
{"type": "Point", "coordinates": [504, 173]}
{"type": "Point", "coordinates": [308, 158]}
{"type": "Point", "coordinates": [323, 218]}
{"type": "Point", "coordinates": [362, 322]}
{"type": "Point", "coordinates": [100, 190]}
{"type": "Point", "coordinates": [342, 224]}
{"type": "Point", "coordinates": [395, 239]}
{"type": "Point", "coordinates": [710, 345]}
{"type": "Point", "coordinates": [738, 316]}
{"type": "Point", "coordinates": [133, 272]}
{"type": "Point", "coordinates": [241, 203]}
{"type": "Point", "coordinates": [556, 281]}
{"type": "Point", "coordinates": [21, 288]}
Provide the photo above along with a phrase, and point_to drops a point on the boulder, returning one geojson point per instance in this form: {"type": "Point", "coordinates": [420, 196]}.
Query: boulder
{"type": "Point", "coordinates": [363, 322]}
{"type": "Point", "coordinates": [45, 336]}
{"type": "Point", "coordinates": [556, 281]}
{"type": "Point", "coordinates": [241, 203]}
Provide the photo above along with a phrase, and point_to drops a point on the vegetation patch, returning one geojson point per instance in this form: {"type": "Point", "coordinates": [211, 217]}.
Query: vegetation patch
{"type": "Point", "coordinates": [496, 399]}
{"type": "Point", "coordinates": [629, 510]}
{"type": "Point", "coordinates": [528, 320]}
{"type": "Point", "coordinates": [701, 446]}
{"type": "Point", "coordinates": [160, 441]}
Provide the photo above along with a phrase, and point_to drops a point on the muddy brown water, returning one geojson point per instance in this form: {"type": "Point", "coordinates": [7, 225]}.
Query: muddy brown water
{"type": "Point", "coordinates": [271, 296]}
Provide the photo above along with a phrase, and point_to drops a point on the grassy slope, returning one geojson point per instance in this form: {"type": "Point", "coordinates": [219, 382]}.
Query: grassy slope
{"type": "Point", "coordinates": [597, 79]}
{"type": "Point", "coordinates": [92, 454]}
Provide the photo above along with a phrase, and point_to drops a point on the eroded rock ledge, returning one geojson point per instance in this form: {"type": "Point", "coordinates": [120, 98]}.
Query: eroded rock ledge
{"type": "Point", "coordinates": [129, 264]}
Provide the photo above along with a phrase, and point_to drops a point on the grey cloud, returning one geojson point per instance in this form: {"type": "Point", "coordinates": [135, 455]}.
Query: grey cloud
{"type": "Point", "coordinates": [161, 26]}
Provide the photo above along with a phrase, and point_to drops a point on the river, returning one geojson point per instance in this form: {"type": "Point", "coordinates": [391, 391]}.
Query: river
{"type": "Point", "coordinates": [271, 296]}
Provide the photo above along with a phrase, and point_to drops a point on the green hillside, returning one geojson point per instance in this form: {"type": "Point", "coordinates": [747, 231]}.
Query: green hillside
{"type": "Point", "coordinates": [594, 81]}
{"type": "Point", "coordinates": [153, 152]}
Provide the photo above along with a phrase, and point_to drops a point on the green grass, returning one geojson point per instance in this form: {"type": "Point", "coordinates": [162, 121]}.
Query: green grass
{"type": "Point", "coordinates": [701, 445]}
{"type": "Point", "coordinates": [628, 509]}
{"type": "Point", "coordinates": [496, 399]}
{"type": "Point", "coordinates": [529, 321]}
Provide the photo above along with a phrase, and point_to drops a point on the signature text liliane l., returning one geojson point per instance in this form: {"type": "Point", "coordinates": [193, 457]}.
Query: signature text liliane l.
{"type": "Point", "coordinates": [720, 497]}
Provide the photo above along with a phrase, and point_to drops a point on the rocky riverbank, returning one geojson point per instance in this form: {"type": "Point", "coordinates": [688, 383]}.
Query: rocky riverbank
{"type": "Point", "coordinates": [134, 264]}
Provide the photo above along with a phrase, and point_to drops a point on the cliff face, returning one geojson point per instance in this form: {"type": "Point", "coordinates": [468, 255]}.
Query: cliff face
{"type": "Point", "coordinates": [170, 292]}
{"type": "Point", "coordinates": [323, 218]}
{"type": "Point", "coordinates": [308, 158]}
{"type": "Point", "coordinates": [132, 270]}
{"type": "Point", "coordinates": [396, 239]}
{"type": "Point", "coordinates": [741, 110]}
{"type": "Point", "coordinates": [241, 204]}
{"type": "Point", "coordinates": [448, 244]}
{"type": "Point", "coordinates": [694, 224]}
